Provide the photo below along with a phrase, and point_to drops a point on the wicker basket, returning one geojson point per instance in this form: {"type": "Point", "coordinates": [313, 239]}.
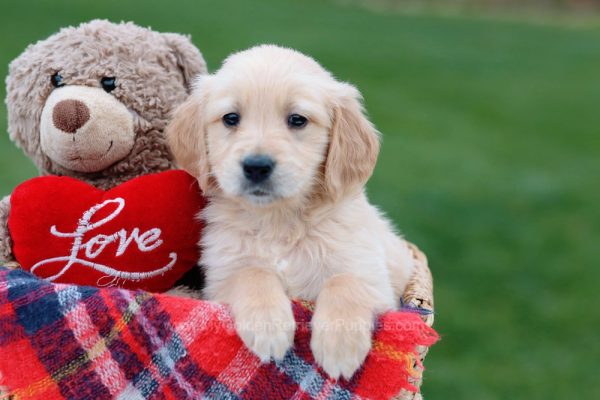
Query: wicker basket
{"type": "Point", "coordinates": [419, 294]}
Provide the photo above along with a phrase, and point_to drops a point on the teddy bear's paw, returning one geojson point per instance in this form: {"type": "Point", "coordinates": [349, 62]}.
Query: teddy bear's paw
{"type": "Point", "coordinates": [340, 345]}
{"type": "Point", "coordinates": [268, 331]}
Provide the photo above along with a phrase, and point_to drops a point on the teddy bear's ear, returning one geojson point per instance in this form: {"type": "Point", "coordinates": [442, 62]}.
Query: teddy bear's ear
{"type": "Point", "coordinates": [189, 58]}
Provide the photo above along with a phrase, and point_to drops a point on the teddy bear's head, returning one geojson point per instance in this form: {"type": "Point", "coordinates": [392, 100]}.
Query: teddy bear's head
{"type": "Point", "coordinates": [93, 101]}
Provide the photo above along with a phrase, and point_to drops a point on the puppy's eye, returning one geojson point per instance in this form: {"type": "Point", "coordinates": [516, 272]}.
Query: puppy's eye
{"type": "Point", "coordinates": [109, 83]}
{"type": "Point", "coordinates": [57, 80]}
{"type": "Point", "coordinates": [231, 119]}
{"type": "Point", "coordinates": [296, 121]}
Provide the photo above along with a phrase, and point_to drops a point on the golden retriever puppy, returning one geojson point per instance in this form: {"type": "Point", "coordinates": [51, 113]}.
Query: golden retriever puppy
{"type": "Point", "coordinates": [283, 151]}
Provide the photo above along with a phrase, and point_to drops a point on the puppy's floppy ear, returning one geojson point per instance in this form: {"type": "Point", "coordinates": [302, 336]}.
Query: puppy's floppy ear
{"type": "Point", "coordinates": [353, 145]}
{"type": "Point", "coordinates": [187, 137]}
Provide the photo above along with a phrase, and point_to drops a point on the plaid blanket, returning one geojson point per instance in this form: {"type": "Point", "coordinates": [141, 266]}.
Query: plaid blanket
{"type": "Point", "coordinates": [75, 342]}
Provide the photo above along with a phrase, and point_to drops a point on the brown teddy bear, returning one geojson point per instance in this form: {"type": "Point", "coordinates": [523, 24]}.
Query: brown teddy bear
{"type": "Point", "coordinates": [118, 85]}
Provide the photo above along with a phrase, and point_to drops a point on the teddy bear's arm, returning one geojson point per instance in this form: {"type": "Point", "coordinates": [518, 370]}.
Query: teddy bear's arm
{"type": "Point", "coordinates": [6, 254]}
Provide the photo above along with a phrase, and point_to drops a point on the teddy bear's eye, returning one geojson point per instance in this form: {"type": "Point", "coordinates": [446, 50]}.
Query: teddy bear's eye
{"type": "Point", "coordinates": [57, 80]}
{"type": "Point", "coordinates": [109, 83]}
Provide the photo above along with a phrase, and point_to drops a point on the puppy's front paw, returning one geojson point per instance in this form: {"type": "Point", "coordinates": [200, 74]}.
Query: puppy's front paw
{"type": "Point", "coordinates": [340, 345]}
{"type": "Point", "coordinates": [268, 331]}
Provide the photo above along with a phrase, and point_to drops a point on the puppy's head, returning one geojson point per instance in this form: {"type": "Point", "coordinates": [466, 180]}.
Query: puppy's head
{"type": "Point", "coordinates": [272, 125]}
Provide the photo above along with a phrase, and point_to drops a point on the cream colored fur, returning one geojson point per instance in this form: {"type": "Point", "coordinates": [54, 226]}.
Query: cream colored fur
{"type": "Point", "coordinates": [313, 234]}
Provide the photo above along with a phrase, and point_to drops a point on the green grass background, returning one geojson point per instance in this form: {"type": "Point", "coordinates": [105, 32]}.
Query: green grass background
{"type": "Point", "coordinates": [490, 163]}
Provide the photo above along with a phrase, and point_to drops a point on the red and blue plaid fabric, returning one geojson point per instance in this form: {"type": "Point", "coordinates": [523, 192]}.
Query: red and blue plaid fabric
{"type": "Point", "coordinates": [76, 342]}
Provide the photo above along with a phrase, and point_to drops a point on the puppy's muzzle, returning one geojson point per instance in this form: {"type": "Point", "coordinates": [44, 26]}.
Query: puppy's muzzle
{"type": "Point", "coordinates": [258, 168]}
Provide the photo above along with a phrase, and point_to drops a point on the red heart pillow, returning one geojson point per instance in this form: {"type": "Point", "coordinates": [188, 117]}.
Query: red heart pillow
{"type": "Point", "coordinates": [142, 234]}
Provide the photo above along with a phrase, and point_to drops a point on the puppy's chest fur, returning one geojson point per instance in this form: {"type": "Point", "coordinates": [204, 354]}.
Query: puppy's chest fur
{"type": "Point", "coordinates": [304, 249]}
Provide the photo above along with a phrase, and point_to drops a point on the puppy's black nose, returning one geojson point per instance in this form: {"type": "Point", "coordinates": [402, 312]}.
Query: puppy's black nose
{"type": "Point", "coordinates": [258, 168]}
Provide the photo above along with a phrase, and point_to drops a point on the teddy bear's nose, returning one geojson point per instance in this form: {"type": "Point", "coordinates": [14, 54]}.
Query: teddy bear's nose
{"type": "Point", "coordinates": [70, 115]}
